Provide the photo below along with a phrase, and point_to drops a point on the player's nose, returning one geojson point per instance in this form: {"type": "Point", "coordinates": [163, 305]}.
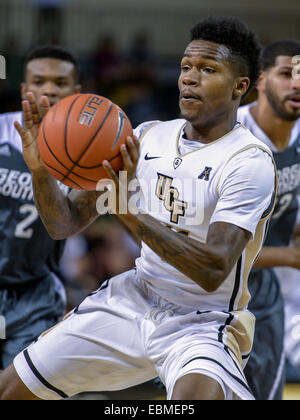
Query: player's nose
{"type": "Point", "coordinates": [190, 79]}
{"type": "Point", "coordinates": [50, 89]}
{"type": "Point", "coordinates": [296, 82]}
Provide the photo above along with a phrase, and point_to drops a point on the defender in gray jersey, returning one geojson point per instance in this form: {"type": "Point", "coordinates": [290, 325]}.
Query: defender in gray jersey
{"type": "Point", "coordinates": [274, 119]}
{"type": "Point", "coordinates": [32, 297]}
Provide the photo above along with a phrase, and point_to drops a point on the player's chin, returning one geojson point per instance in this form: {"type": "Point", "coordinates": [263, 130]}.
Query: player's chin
{"type": "Point", "coordinates": [291, 113]}
{"type": "Point", "coordinates": [190, 111]}
{"type": "Point", "coordinates": [292, 105]}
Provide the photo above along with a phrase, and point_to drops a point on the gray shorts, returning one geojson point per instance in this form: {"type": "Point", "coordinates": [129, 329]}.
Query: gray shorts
{"type": "Point", "coordinates": [265, 370]}
{"type": "Point", "coordinates": [28, 310]}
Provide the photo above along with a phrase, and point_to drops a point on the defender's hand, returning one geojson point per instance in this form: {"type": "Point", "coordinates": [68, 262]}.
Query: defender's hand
{"type": "Point", "coordinates": [32, 117]}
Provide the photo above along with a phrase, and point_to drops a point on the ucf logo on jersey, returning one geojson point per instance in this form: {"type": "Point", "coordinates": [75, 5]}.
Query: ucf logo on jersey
{"type": "Point", "coordinates": [170, 197]}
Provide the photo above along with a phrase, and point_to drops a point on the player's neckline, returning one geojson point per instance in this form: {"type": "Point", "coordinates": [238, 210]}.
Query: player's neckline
{"type": "Point", "coordinates": [202, 145]}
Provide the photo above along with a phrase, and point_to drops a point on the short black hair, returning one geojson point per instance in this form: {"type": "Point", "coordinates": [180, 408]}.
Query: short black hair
{"type": "Point", "coordinates": [54, 51]}
{"type": "Point", "coordinates": [242, 43]}
{"type": "Point", "coordinates": [287, 47]}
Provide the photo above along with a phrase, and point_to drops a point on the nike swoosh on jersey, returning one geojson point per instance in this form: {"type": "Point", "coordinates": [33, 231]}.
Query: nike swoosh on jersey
{"type": "Point", "coordinates": [151, 157]}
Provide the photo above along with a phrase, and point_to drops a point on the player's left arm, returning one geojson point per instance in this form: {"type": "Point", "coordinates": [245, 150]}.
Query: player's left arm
{"type": "Point", "coordinates": [207, 264]}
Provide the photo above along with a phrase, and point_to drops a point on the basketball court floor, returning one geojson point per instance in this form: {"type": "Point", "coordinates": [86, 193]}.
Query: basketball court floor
{"type": "Point", "coordinates": [292, 392]}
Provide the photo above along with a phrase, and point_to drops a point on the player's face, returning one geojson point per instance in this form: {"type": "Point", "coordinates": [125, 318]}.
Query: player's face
{"type": "Point", "coordinates": [206, 83]}
{"type": "Point", "coordinates": [282, 89]}
{"type": "Point", "coordinates": [50, 77]}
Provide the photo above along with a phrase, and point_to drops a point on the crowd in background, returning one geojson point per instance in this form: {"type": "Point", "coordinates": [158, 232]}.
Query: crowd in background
{"type": "Point", "coordinates": [137, 79]}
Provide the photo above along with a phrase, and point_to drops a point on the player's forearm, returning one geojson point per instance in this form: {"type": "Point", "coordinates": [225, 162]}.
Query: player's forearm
{"type": "Point", "coordinates": [61, 216]}
{"type": "Point", "coordinates": [202, 263]}
{"type": "Point", "coordinates": [278, 257]}
{"type": "Point", "coordinates": [52, 205]}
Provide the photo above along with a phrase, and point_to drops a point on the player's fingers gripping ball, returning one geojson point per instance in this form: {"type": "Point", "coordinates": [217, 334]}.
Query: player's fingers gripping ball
{"type": "Point", "coordinates": [78, 134]}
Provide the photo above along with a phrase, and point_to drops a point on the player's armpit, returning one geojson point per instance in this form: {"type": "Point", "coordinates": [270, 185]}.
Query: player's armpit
{"type": "Point", "coordinates": [206, 264]}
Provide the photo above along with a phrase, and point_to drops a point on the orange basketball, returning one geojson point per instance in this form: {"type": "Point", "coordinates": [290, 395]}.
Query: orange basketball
{"type": "Point", "coordinates": [77, 134]}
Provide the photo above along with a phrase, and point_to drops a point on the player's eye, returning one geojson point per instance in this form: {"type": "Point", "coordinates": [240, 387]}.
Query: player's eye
{"type": "Point", "coordinates": [185, 68]}
{"type": "Point", "coordinates": [286, 74]}
{"type": "Point", "coordinates": [37, 82]}
{"type": "Point", "coordinates": [209, 70]}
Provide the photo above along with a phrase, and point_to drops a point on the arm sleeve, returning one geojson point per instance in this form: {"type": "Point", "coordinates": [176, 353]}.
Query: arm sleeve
{"type": "Point", "coordinates": [246, 189]}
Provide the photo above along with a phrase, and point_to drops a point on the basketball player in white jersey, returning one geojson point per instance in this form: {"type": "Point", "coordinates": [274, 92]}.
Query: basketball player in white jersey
{"type": "Point", "coordinates": [182, 313]}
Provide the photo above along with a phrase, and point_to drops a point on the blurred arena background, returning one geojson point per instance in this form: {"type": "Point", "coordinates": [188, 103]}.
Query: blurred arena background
{"type": "Point", "coordinates": [129, 51]}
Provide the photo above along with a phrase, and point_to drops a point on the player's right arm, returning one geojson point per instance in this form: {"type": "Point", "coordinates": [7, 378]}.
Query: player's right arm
{"type": "Point", "coordinates": [63, 216]}
{"type": "Point", "coordinates": [281, 256]}
{"type": "Point", "coordinates": [271, 256]}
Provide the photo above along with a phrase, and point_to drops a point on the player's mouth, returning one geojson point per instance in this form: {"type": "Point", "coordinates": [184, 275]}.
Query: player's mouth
{"type": "Point", "coordinates": [188, 96]}
{"type": "Point", "coordinates": [294, 100]}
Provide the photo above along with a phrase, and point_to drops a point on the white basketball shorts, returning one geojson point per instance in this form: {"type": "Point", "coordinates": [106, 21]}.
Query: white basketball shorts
{"type": "Point", "coordinates": [123, 335]}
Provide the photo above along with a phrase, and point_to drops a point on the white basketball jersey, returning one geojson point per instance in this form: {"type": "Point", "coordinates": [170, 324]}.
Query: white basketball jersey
{"type": "Point", "coordinates": [184, 192]}
{"type": "Point", "coordinates": [231, 180]}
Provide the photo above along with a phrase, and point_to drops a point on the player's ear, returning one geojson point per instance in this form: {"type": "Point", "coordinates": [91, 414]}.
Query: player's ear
{"type": "Point", "coordinates": [241, 87]}
{"type": "Point", "coordinates": [23, 88]}
{"type": "Point", "coordinates": [261, 82]}
{"type": "Point", "coordinates": [78, 88]}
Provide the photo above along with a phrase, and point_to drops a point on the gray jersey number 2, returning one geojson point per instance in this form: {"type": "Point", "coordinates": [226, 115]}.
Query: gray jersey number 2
{"type": "Point", "coordinates": [23, 229]}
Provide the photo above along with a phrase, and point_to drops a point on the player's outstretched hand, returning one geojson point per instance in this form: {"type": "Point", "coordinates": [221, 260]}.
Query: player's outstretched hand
{"type": "Point", "coordinates": [32, 117]}
{"type": "Point", "coordinates": [130, 154]}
